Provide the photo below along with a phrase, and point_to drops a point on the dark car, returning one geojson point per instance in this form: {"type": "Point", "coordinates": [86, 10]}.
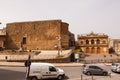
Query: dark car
{"type": "Point", "coordinates": [94, 70]}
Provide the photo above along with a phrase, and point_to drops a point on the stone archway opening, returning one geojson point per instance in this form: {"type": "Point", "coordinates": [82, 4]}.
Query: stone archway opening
{"type": "Point", "coordinates": [92, 50]}
{"type": "Point", "coordinates": [87, 50]}
{"type": "Point", "coordinates": [98, 50]}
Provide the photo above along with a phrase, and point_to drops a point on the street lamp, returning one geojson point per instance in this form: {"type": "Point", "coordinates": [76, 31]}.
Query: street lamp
{"type": "Point", "coordinates": [58, 46]}
{"type": "Point", "coordinates": [118, 57]}
{"type": "Point", "coordinates": [104, 58]}
{"type": "Point", "coordinates": [111, 57]}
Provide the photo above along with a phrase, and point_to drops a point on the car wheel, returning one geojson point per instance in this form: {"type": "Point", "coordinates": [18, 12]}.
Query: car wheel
{"type": "Point", "coordinates": [60, 77]}
{"type": "Point", "coordinates": [88, 73]}
{"type": "Point", "coordinates": [105, 74]}
{"type": "Point", "coordinates": [34, 78]}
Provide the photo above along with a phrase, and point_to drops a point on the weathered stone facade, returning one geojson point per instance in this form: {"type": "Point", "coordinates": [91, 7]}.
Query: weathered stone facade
{"type": "Point", "coordinates": [37, 35]}
{"type": "Point", "coordinates": [93, 43]}
{"type": "Point", "coordinates": [116, 45]}
{"type": "Point", "coordinates": [2, 38]}
{"type": "Point", "coordinates": [71, 39]}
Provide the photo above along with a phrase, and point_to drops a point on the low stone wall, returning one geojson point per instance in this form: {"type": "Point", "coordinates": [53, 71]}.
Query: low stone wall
{"type": "Point", "coordinates": [101, 61]}
{"type": "Point", "coordinates": [23, 58]}
{"type": "Point", "coordinates": [3, 57]}
{"type": "Point", "coordinates": [13, 57]}
{"type": "Point", "coordinates": [57, 60]}
{"type": "Point", "coordinates": [43, 56]}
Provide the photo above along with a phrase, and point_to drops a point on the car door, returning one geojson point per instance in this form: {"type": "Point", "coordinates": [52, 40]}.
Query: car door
{"type": "Point", "coordinates": [52, 72]}
{"type": "Point", "coordinates": [98, 70]}
{"type": "Point", "coordinates": [95, 70]}
{"type": "Point", "coordinates": [92, 69]}
{"type": "Point", "coordinates": [49, 72]}
{"type": "Point", "coordinates": [45, 72]}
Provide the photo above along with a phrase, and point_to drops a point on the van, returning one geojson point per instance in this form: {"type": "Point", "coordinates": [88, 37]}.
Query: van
{"type": "Point", "coordinates": [45, 71]}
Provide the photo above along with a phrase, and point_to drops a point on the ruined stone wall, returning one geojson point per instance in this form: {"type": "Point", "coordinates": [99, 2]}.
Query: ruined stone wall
{"type": "Point", "coordinates": [64, 35]}
{"type": "Point", "coordinates": [2, 40]}
{"type": "Point", "coordinates": [37, 35]}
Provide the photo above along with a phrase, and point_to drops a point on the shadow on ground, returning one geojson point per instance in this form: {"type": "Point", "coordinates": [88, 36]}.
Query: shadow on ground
{"type": "Point", "coordinates": [11, 75]}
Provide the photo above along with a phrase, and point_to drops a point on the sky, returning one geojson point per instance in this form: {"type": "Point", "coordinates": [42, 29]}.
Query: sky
{"type": "Point", "coordinates": [83, 16]}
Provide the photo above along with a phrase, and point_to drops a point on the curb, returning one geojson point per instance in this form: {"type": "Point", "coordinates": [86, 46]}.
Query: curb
{"type": "Point", "coordinates": [21, 64]}
{"type": "Point", "coordinates": [17, 64]}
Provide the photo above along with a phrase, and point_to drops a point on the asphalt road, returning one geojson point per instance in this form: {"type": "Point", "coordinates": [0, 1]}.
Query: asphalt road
{"type": "Point", "coordinates": [72, 73]}
{"type": "Point", "coordinates": [7, 73]}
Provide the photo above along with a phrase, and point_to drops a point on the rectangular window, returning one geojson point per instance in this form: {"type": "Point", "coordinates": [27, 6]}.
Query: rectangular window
{"type": "Point", "coordinates": [24, 40]}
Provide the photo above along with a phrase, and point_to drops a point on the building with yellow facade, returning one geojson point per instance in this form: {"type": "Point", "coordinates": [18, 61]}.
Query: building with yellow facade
{"type": "Point", "coordinates": [93, 43]}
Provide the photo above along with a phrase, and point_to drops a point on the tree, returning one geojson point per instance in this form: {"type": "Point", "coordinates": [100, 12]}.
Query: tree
{"type": "Point", "coordinates": [111, 50]}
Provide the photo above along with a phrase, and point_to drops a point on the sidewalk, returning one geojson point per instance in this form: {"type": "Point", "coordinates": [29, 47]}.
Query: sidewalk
{"type": "Point", "coordinates": [21, 64]}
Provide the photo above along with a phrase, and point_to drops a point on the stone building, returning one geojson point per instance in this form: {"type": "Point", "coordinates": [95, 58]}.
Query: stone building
{"type": "Point", "coordinates": [93, 43]}
{"type": "Point", "coordinates": [116, 45]}
{"type": "Point", "coordinates": [2, 38]}
{"type": "Point", "coordinates": [71, 39]}
{"type": "Point", "coordinates": [38, 35]}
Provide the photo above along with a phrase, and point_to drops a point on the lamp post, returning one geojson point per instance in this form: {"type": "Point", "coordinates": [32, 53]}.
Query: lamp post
{"type": "Point", "coordinates": [104, 58]}
{"type": "Point", "coordinates": [111, 57]}
{"type": "Point", "coordinates": [118, 57]}
{"type": "Point", "coordinates": [58, 46]}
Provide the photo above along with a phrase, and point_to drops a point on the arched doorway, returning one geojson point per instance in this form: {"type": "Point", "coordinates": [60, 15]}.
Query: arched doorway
{"type": "Point", "coordinates": [92, 50]}
{"type": "Point", "coordinates": [98, 50]}
{"type": "Point", "coordinates": [87, 50]}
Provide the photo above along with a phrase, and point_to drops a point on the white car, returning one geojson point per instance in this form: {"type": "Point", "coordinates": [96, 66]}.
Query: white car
{"type": "Point", "coordinates": [115, 67]}
{"type": "Point", "coordinates": [45, 71]}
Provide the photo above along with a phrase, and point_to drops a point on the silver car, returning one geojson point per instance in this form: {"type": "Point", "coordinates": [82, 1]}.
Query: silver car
{"type": "Point", "coordinates": [92, 70]}
{"type": "Point", "coordinates": [115, 67]}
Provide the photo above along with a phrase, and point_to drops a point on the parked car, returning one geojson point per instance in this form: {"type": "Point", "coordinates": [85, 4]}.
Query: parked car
{"type": "Point", "coordinates": [94, 70]}
{"type": "Point", "coordinates": [115, 67]}
{"type": "Point", "coordinates": [45, 71]}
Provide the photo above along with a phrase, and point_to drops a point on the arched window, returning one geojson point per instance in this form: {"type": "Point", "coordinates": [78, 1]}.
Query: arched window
{"type": "Point", "coordinates": [98, 41]}
{"type": "Point", "coordinates": [81, 42]}
{"type": "Point", "coordinates": [104, 42]}
{"type": "Point", "coordinates": [87, 41]}
{"type": "Point", "coordinates": [92, 50]}
{"type": "Point", "coordinates": [92, 41]}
